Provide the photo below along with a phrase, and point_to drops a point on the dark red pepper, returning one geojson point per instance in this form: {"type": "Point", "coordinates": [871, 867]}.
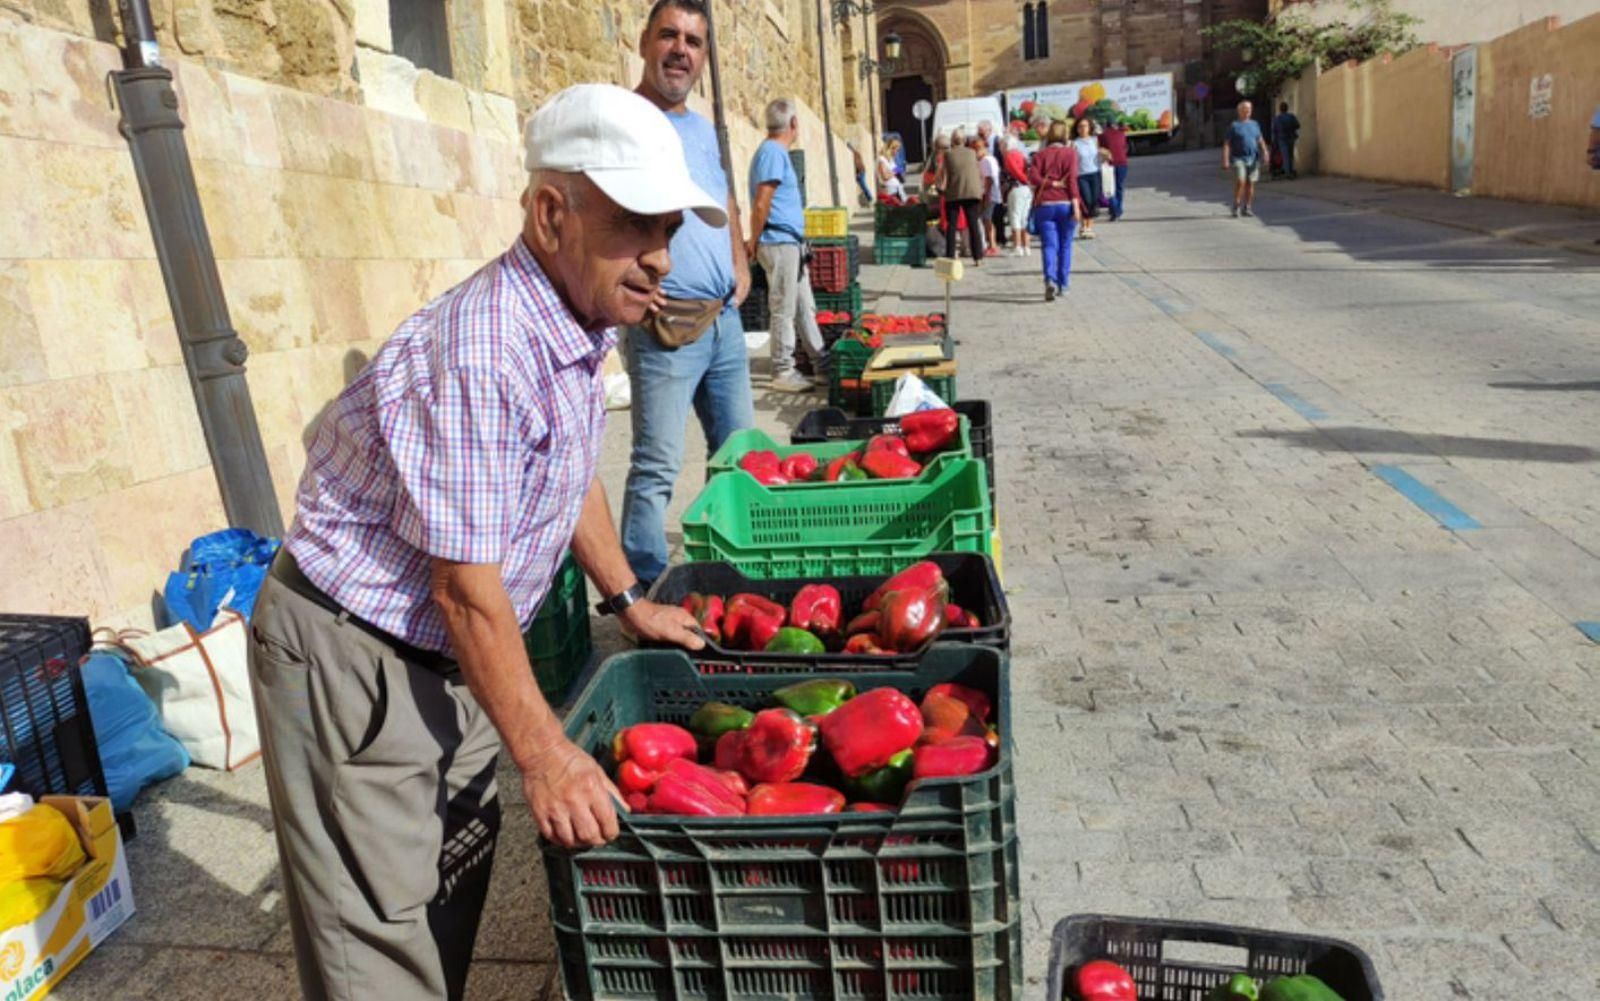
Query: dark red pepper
{"type": "Point", "coordinates": [751, 621]}
{"type": "Point", "coordinates": [688, 789]}
{"type": "Point", "coordinates": [652, 745]}
{"type": "Point", "coordinates": [955, 757]}
{"type": "Point", "coordinates": [944, 717]}
{"type": "Point", "coordinates": [956, 617]}
{"type": "Point", "coordinates": [817, 608]}
{"type": "Point", "coordinates": [887, 464]}
{"type": "Point", "coordinates": [930, 430]}
{"type": "Point", "coordinates": [866, 622]}
{"type": "Point", "coordinates": [776, 747]}
{"type": "Point", "coordinates": [787, 798]}
{"type": "Point", "coordinates": [864, 733]}
{"type": "Point", "coordinates": [726, 755]}
{"type": "Point", "coordinates": [909, 619]}
{"type": "Point", "coordinates": [707, 611]}
{"type": "Point", "coordinates": [976, 700]}
{"type": "Point", "coordinates": [864, 643]}
{"type": "Point", "coordinates": [925, 575]}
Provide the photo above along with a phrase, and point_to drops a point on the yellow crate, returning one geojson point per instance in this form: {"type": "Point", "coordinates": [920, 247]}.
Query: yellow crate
{"type": "Point", "coordinates": [825, 224]}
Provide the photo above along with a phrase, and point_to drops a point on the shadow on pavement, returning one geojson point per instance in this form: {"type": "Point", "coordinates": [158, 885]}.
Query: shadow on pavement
{"type": "Point", "coordinates": [1549, 387]}
{"type": "Point", "coordinates": [1358, 439]}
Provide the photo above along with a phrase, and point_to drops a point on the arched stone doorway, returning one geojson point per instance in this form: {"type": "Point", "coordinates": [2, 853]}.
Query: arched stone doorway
{"type": "Point", "coordinates": [919, 76]}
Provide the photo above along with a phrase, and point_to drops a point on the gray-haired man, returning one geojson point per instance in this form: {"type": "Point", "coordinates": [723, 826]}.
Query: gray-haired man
{"type": "Point", "coordinates": [778, 229]}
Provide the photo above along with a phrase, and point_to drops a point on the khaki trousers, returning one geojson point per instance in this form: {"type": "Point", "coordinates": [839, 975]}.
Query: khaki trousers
{"type": "Point", "coordinates": [382, 779]}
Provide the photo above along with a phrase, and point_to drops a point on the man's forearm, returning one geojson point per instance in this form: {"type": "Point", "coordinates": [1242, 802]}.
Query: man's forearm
{"type": "Point", "coordinates": [487, 640]}
{"type": "Point", "coordinates": [596, 546]}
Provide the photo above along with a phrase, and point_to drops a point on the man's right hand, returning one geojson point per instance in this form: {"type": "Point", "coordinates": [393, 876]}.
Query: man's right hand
{"type": "Point", "coordinates": [570, 797]}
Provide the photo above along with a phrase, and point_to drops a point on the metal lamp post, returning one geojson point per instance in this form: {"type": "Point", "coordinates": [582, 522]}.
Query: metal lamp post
{"type": "Point", "coordinates": [870, 66]}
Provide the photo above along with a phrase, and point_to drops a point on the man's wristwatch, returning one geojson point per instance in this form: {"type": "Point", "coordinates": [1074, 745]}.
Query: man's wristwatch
{"type": "Point", "coordinates": [619, 603]}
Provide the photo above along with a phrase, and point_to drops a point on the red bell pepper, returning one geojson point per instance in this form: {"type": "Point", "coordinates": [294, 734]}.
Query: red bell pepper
{"type": "Point", "coordinates": [864, 733]}
{"type": "Point", "coordinates": [707, 610]}
{"type": "Point", "coordinates": [777, 746]}
{"type": "Point", "coordinates": [688, 789]}
{"type": "Point", "coordinates": [930, 430]}
{"type": "Point", "coordinates": [869, 808]}
{"type": "Point", "coordinates": [956, 617]}
{"type": "Point", "coordinates": [634, 777]}
{"type": "Point", "coordinates": [887, 464]}
{"type": "Point", "coordinates": [1103, 980]}
{"type": "Point", "coordinates": [787, 798]}
{"type": "Point", "coordinates": [955, 757]}
{"type": "Point", "coordinates": [888, 443]}
{"type": "Point", "coordinates": [733, 780]}
{"type": "Point", "coordinates": [652, 745]}
{"type": "Point", "coordinates": [835, 469]}
{"type": "Point", "coordinates": [925, 575]}
{"type": "Point", "coordinates": [636, 802]}
{"type": "Point", "coordinates": [866, 622]}
{"type": "Point", "coordinates": [976, 700]}
{"type": "Point", "coordinates": [864, 643]}
{"type": "Point", "coordinates": [909, 619]}
{"type": "Point", "coordinates": [798, 466]}
{"type": "Point", "coordinates": [726, 755]}
{"type": "Point", "coordinates": [944, 718]}
{"type": "Point", "coordinates": [817, 608]}
{"type": "Point", "coordinates": [751, 621]}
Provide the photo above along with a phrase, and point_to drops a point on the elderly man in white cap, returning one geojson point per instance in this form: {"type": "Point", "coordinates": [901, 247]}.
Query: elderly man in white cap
{"type": "Point", "coordinates": [439, 496]}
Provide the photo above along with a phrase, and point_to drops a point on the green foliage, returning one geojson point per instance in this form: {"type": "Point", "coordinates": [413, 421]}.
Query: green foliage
{"type": "Point", "coordinates": [1281, 49]}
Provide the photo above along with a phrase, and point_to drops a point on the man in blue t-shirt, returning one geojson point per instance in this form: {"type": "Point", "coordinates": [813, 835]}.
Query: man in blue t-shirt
{"type": "Point", "coordinates": [778, 229]}
{"type": "Point", "coordinates": [1244, 152]}
{"type": "Point", "coordinates": [709, 279]}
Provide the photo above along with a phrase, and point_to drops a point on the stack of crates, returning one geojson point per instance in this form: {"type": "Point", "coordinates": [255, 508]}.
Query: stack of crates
{"type": "Point", "coordinates": [845, 388]}
{"type": "Point", "coordinates": [828, 230]}
{"type": "Point", "coordinates": [900, 234]}
{"type": "Point", "coordinates": [835, 264]}
{"type": "Point", "coordinates": [559, 641]}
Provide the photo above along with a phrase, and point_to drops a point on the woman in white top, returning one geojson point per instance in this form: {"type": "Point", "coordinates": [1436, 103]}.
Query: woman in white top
{"type": "Point", "coordinates": [1088, 149]}
{"type": "Point", "coordinates": [889, 183]}
{"type": "Point", "coordinates": [989, 170]}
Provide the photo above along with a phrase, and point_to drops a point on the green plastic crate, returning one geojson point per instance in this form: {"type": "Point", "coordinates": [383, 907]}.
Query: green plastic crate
{"type": "Point", "coordinates": [908, 250]}
{"type": "Point", "coordinates": [848, 301]}
{"type": "Point", "coordinates": [920, 904]}
{"type": "Point", "coordinates": [845, 531]}
{"type": "Point", "coordinates": [900, 220]}
{"type": "Point", "coordinates": [943, 386]}
{"type": "Point", "coordinates": [726, 459]}
{"type": "Point", "coordinates": [850, 358]}
{"type": "Point", "coordinates": [558, 641]}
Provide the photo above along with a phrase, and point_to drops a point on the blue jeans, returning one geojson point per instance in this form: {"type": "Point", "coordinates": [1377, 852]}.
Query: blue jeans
{"type": "Point", "coordinates": [1122, 184]}
{"type": "Point", "coordinates": [1057, 227]}
{"type": "Point", "coordinates": [712, 375]}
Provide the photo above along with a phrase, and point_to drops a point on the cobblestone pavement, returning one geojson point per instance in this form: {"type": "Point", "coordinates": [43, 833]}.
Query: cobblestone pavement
{"type": "Point", "coordinates": [1260, 681]}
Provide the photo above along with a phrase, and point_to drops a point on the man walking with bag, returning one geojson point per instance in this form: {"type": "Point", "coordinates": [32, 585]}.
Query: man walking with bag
{"type": "Point", "coordinates": [690, 351]}
{"type": "Point", "coordinates": [440, 493]}
{"type": "Point", "coordinates": [777, 241]}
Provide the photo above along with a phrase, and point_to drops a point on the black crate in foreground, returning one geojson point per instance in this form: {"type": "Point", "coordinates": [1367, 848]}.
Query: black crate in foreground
{"type": "Point", "coordinates": [923, 903]}
{"type": "Point", "coordinates": [974, 586]}
{"type": "Point", "coordinates": [1184, 960]}
{"type": "Point", "coordinates": [45, 729]}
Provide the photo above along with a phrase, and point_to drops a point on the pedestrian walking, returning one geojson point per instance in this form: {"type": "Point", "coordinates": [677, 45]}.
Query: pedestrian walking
{"type": "Point", "coordinates": [1243, 152]}
{"type": "Point", "coordinates": [1056, 197]}
{"type": "Point", "coordinates": [1019, 195]}
{"type": "Point", "coordinates": [777, 241]}
{"type": "Point", "coordinates": [690, 353]}
{"type": "Point", "coordinates": [1087, 148]}
{"type": "Point", "coordinates": [1285, 133]}
{"type": "Point", "coordinates": [889, 184]}
{"type": "Point", "coordinates": [961, 184]}
{"type": "Point", "coordinates": [861, 174]}
{"type": "Point", "coordinates": [993, 204]}
{"type": "Point", "coordinates": [439, 495]}
{"type": "Point", "coordinates": [1114, 143]}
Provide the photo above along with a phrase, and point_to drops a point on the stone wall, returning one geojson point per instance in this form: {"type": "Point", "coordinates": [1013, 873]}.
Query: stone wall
{"type": "Point", "coordinates": [1453, 22]}
{"type": "Point", "coordinates": [331, 219]}
{"type": "Point", "coordinates": [1361, 133]}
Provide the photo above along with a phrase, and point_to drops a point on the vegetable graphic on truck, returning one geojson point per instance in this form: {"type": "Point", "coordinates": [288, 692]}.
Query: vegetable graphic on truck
{"type": "Point", "coordinates": [1143, 103]}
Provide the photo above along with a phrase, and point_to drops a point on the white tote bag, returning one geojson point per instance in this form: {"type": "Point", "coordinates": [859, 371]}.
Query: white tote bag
{"type": "Point", "coordinates": [200, 682]}
{"type": "Point", "coordinates": [1108, 181]}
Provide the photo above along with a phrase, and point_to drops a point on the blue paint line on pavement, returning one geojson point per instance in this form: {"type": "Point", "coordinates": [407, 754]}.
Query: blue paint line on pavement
{"type": "Point", "coordinates": [1214, 342]}
{"type": "Point", "coordinates": [1590, 629]}
{"type": "Point", "coordinates": [1299, 404]}
{"type": "Point", "coordinates": [1426, 498]}
{"type": "Point", "coordinates": [1171, 308]}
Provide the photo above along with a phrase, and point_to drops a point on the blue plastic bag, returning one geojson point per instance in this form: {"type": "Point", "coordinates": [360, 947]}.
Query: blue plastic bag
{"type": "Point", "coordinates": [234, 559]}
{"type": "Point", "coordinates": [134, 751]}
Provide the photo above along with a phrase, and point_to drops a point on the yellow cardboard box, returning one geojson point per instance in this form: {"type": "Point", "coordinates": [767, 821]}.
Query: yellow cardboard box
{"type": "Point", "coordinates": [93, 904]}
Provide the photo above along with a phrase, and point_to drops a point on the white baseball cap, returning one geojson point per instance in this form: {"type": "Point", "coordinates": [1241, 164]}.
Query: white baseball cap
{"type": "Point", "coordinates": [621, 142]}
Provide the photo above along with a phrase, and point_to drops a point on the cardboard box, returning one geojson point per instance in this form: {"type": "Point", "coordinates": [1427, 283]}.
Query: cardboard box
{"type": "Point", "coordinates": [90, 906]}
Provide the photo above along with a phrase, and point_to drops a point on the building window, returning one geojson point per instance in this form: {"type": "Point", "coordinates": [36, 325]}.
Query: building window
{"type": "Point", "coordinates": [1036, 30]}
{"type": "Point", "coordinates": [421, 31]}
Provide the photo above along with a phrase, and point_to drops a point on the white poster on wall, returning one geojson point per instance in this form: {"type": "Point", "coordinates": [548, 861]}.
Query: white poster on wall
{"type": "Point", "coordinates": [1541, 90]}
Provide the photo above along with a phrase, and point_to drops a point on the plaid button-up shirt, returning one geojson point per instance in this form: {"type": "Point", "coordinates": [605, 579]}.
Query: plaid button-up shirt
{"type": "Point", "coordinates": [472, 436]}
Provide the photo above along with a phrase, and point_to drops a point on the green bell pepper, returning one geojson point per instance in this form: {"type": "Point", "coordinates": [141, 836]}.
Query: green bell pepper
{"type": "Point", "coordinates": [792, 640]}
{"type": "Point", "coordinates": [816, 697]}
{"type": "Point", "coordinates": [1304, 987]}
{"type": "Point", "coordinates": [714, 719]}
{"type": "Point", "coordinates": [882, 785]}
{"type": "Point", "coordinates": [1240, 987]}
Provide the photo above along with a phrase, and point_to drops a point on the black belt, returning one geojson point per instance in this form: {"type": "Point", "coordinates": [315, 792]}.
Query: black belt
{"type": "Point", "coordinates": [287, 572]}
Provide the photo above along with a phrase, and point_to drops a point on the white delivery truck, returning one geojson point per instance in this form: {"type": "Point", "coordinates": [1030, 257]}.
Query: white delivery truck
{"type": "Point", "coordinates": [1146, 104]}
{"type": "Point", "coordinates": [966, 113]}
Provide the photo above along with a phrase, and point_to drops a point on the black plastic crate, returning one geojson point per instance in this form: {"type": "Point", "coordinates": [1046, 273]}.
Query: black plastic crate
{"type": "Point", "coordinates": [834, 424]}
{"type": "Point", "coordinates": [754, 312]}
{"type": "Point", "coordinates": [1183, 960]}
{"type": "Point", "coordinates": [974, 585]}
{"type": "Point", "coordinates": [45, 729]}
{"type": "Point", "coordinates": [698, 907]}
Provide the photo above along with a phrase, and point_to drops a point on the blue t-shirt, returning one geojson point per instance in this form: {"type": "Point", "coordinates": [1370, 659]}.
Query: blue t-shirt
{"type": "Point", "coordinates": [1244, 140]}
{"type": "Point", "coordinates": [702, 255]}
{"type": "Point", "coordinates": [786, 223]}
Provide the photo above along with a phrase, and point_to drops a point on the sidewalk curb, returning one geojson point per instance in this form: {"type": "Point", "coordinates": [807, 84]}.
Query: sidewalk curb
{"type": "Point", "coordinates": [1573, 246]}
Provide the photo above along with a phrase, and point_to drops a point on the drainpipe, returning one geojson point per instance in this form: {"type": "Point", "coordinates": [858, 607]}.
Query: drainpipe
{"type": "Point", "coordinates": [212, 350]}
{"type": "Point", "coordinates": [827, 112]}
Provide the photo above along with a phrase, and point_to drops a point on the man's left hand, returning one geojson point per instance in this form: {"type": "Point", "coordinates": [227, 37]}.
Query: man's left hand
{"type": "Point", "coordinates": [648, 620]}
{"type": "Point", "coordinates": [741, 284]}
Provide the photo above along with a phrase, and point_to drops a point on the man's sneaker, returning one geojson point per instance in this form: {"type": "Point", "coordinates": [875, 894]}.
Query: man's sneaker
{"type": "Point", "coordinates": [1049, 292]}
{"type": "Point", "coordinates": [1247, 212]}
{"type": "Point", "coordinates": [1236, 211]}
{"type": "Point", "coordinates": [791, 382]}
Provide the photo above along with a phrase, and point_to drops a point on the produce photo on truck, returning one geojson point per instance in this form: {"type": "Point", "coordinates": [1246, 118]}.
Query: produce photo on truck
{"type": "Point", "coordinates": [1142, 103]}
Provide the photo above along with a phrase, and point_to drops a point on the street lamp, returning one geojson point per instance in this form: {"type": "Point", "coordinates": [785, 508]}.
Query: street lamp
{"type": "Point", "coordinates": [890, 61]}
